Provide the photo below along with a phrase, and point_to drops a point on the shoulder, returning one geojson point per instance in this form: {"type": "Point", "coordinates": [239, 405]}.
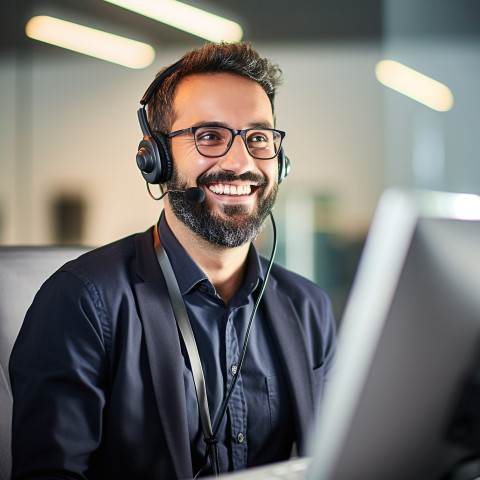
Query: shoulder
{"type": "Point", "coordinates": [90, 289]}
{"type": "Point", "coordinates": [99, 276]}
{"type": "Point", "coordinates": [117, 260]}
{"type": "Point", "coordinates": [310, 303]}
{"type": "Point", "coordinates": [294, 285]}
{"type": "Point", "coordinates": [103, 259]}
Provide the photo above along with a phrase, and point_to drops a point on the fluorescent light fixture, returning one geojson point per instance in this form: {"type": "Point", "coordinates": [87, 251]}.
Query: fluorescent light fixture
{"type": "Point", "coordinates": [467, 206]}
{"type": "Point", "coordinates": [185, 17]}
{"type": "Point", "coordinates": [90, 41]}
{"type": "Point", "coordinates": [414, 84]}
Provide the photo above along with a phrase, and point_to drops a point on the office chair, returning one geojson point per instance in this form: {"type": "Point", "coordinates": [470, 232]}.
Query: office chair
{"type": "Point", "coordinates": [22, 272]}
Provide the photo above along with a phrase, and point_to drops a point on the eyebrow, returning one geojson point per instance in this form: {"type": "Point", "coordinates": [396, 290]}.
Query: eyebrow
{"type": "Point", "coordinates": [223, 124]}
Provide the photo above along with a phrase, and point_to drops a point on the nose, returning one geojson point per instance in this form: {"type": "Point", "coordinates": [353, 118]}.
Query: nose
{"type": "Point", "coordinates": [237, 159]}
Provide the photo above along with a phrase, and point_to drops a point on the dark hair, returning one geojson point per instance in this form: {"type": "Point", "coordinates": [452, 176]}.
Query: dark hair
{"type": "Point", "coordinates": [238, 58]}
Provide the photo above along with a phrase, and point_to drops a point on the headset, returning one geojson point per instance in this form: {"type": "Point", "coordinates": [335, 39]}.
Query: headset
{"type": "Point", "coordinates": [153, 157]}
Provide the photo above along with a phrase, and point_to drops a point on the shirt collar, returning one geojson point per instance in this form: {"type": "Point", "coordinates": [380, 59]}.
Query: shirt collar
{"type": "Point", "coordinates": [189, 274]}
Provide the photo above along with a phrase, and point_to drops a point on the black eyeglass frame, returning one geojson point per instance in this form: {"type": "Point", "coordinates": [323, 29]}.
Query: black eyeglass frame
{"type": "Point", "coordinates": [234, 133]}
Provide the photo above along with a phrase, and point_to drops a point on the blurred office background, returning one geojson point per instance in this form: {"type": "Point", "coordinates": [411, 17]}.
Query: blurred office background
{"type": "Point", "coordinates": [69, 130]}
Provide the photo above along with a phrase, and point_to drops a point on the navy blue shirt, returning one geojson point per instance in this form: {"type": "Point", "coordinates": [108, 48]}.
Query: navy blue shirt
{"type": "Point", "coordinates": [258, 427]}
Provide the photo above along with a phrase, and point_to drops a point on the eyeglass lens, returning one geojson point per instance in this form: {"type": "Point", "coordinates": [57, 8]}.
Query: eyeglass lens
{"type": "Point", "coordinates": [215, 141]}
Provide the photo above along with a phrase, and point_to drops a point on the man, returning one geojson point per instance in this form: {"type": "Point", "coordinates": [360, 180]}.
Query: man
{"type": "Point", "coordinates": [102, 378]}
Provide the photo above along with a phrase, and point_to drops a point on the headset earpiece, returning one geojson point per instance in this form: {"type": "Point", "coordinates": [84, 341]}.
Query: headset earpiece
{"type": "Point", "coordinates": [165, 158]}
{"type": "Point", "coordinates": [283, 165]}
{"type": "Point", "coordinates": [153, 156]}
{"type": "Point", "coordinates": [153, 159]}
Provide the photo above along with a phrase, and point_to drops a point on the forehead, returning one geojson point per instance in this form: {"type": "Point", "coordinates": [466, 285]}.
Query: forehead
{"type": "Point", "coordinates": [223, 97]}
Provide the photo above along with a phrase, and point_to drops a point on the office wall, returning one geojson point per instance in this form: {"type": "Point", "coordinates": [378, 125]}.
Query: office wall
{"type": "Point", "coordinates": [69, 129]}
{"type": "Point", "coordinates": [425, 148]}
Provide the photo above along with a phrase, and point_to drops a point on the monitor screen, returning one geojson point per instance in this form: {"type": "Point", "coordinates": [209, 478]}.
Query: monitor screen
{"type": "Point", "coordinates": [409, 343]}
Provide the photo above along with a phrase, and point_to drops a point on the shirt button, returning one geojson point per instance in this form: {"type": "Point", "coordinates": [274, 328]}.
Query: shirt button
{"type": "Point", "coordinates": [203, 288]}
{"type": "Point", "coordinates": [233, 369]}
{"type": "Point", "coordinates": [240, 437]}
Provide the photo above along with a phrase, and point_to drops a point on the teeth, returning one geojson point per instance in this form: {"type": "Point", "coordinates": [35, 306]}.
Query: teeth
{"type": "Point", "coordinates": [222, 189]}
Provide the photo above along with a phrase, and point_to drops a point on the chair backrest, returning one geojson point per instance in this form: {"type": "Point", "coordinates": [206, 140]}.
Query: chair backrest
{"type": "Point", "coordinates": [22, 272]}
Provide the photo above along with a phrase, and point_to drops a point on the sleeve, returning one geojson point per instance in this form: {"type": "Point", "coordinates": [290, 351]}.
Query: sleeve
{"type": "Point", "coordinates": [58, 371]}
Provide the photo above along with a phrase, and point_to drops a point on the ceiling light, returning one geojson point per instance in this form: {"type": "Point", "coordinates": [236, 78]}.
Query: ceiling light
{"type": "Point", "coordinates": [90, 41]}
{"type": "Point", "coordinates": [415, 85]}
{"type": "Point", "coordinates": [185, 17]}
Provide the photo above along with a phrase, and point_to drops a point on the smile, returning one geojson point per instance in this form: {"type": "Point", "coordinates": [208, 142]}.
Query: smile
{"type": "Point", "coordinates": [226, 189]}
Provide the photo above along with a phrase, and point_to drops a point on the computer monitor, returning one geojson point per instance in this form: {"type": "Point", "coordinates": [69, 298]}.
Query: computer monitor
{"type": "Point", "coordinates": [409, 343]}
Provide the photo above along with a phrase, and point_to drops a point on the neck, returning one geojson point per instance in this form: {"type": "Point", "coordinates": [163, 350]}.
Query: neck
{"type": "Point", "coordinates": [224, 267]}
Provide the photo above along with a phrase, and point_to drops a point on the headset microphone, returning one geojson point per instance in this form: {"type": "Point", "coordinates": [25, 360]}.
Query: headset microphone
{"type": "Point", "coordinates": [193, 194]}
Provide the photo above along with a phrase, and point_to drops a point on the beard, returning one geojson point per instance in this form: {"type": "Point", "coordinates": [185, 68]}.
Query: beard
{"type": "Point", "coordinates": [236, 226]}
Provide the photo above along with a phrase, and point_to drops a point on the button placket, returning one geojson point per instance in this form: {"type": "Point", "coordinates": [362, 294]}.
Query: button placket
{"type": "Point", "coordinates": [237, 409]}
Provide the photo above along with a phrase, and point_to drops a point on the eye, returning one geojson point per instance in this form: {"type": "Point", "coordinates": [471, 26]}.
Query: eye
{"type": "Point", "coordinates": [259, 138]}
{"type": "Point", "coordinates": [210, 136]}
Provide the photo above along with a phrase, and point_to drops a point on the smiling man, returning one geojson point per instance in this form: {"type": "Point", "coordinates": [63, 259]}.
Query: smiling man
{"type": "Point", "coordinates": [240, 189]}
{"type": "Point", "coordinates": [105, 372]}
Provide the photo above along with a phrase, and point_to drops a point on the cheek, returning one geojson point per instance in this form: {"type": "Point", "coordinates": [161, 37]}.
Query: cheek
{"type": "Point", "coordinates": [203, 163]}
{"type": "Point", "coordinates": [188, 161]}
{"type": "Point", "coordinates": [181, 153]}
{"type": "Point", "coordinates": [271, 171]}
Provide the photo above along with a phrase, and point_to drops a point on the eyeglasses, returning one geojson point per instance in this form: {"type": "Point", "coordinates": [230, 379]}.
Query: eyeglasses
{"type": "Point", "coordinates": [261, 143]}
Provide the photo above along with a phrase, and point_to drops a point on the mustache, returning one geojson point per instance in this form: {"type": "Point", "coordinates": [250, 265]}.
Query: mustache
{"type": "Point", "coordinates": [222, 177]}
